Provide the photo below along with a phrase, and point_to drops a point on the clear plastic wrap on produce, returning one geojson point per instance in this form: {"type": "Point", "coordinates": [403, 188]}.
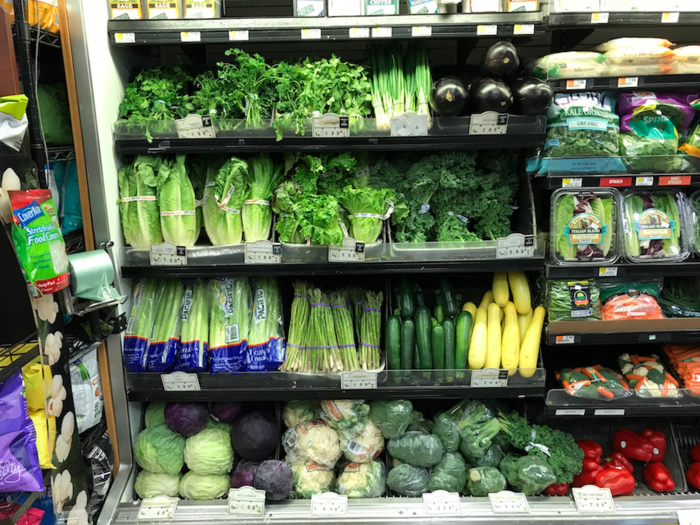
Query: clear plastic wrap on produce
{"type": "Point", "coordinates": [362, 480]}
{"type": "Point", "coordinates": [266, 344]}
{"type": "Point", "coordinates": [312, 442]}
{"type": "Point", "coordinates": [648, 376]}
{"type": "Point", "coordinates": [229, 321]}
{"type": "Point", "coordinates": [655, 226]}
{"type": "Point", "coordinates": [571, 64]}
{"type": "Point", "coordinates": [687, 60]}
{"type": "Point", "coordinates": [144, 301]}
{"type": "Point", "coordinates": [680, 296]}
{"type": "Point", "coordinates": [364, 445]}
{"type": "Point", "coordinates": [625, 301]}
{"type": "Point", "coordinates": [597, 382]}
{"type": "Point", "coordinates": [632, 43]}
{"type": "Point", "coordinates": [344, 413]}
{"type": "Point", "coordinates": [194, 331]}
{"type": "Point", "coordinates": [694, 216]}
{"type": "Point", "coordinates": [573, 300]}
{"type": "Point", "coordinates": [310, 479]}
{"type": "Point", "coordinates": [584, 226]}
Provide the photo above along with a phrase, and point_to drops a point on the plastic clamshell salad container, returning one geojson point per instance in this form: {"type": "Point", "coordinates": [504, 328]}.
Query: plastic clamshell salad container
{"type": "Point", "coordinates": [655, 223]}
{"type": "Point", "coordinates": [694, 219]}
{"type": "Point", "coordinates": [583, 226]}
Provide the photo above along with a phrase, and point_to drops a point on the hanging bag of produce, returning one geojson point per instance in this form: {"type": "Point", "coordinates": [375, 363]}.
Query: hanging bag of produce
{"type": "Point", "coordinates": [165, 341]}
{"type": "Point", "coordinates": [229, 323]}
{"type": "Point", "coordinates": [194, 332]}
{"type": "Point", "coordinates": [265, 350]}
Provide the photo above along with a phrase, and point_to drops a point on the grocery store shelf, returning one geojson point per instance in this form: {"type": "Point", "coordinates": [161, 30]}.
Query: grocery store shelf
{"type": "Point", "coordinates": [672, 330]}
{"type": "Point", "coordinates": [562, 404]}
{"type": "Point", "coordinates": [621, 19]}
{"type": "Point", "coordinates": [217, 31]}
{"type": "Point", "coordinates": [14, 357]}
{"type": "Point", "coordinates": [281, 386]}
{"type": "Point", "coordinates": [562, 85]}
{"type": "Point", "coordinates": [622, 181]}
{"type": "Point", "coordinates": [690, 266]}
{"type": "Point", "coordinates": [641, 510]}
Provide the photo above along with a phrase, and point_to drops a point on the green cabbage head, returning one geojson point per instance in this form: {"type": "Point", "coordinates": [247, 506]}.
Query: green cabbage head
{"type": "Point", "coordinates": [196, 486]}
{"type": "Point", "coordinates": [155, 414]}
{"type": "Point", "coordinates": [160, 450]}
{"type": "Point", "coordinates": [149, 485]}
{"type": "Point", "coordinates": [209, 452]}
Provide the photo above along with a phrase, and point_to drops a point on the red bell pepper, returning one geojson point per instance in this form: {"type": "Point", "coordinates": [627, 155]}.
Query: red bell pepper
{"type": "Point", "coordinates": [695, 452]}
{"type": "Point", "coordinates": [620, 482]}
{"type": "Point", "coordinates": [557, 489]}
{"type": "Point", "coordinates": [633, 446]}
{"type": "Point", "coordinates": [657, 439]}
{"type": "Point", "coordinates": [693, 475]}
{"type": "Point", "coordinates": [591, 450]}
{"type": "Point", "coordinates": [588, 474]}
{"type": "Point", "coordinates": [658, 477]}
{"type": "Point", "coordinates": [618, 461]}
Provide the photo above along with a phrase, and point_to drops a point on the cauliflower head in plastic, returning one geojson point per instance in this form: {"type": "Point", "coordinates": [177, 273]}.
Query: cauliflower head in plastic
{"type": "Point", "coordinates": [343, 413]}
{"type": "Point", "coordinates": [296, 412]}
{"type": "Point", "coordinates": [312, 442]}
{"type": "Point", "coordinates": [311, 478]}
{"type": "Point", "coordinates": [364, 446]}
{"type": "Point", "coordinates": [362, 480]}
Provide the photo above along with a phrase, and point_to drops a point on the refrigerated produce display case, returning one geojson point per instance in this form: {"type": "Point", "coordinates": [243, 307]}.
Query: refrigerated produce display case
{"type": "Point", "coordinates": [386, 264]}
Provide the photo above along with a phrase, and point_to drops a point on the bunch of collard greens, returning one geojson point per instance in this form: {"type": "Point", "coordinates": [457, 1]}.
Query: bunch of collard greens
{"type": "Point", "coordinates": [450, 197]}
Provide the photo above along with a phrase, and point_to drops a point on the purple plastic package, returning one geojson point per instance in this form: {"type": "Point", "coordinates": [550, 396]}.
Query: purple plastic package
{"type": "Point", "coordinates": [645, 104]}
{"type": "Point", "coordinates": [19, 460]}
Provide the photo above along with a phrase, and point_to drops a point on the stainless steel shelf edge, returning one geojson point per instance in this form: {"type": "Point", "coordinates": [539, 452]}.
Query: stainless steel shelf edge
{"type": "Point", "coordinates": [640, 510]}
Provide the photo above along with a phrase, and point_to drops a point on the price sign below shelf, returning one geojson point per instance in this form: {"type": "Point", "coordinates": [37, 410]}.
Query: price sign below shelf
{"type": "Point", "coordinates": [524, 29]}
{"type": "Point", "coordinates": [358, 380]}
{"type": "Point", "coordinates": [669, 18]}
{"type": "Point", "coordinates": [262, 252]}
{"type": "Point", "coordinates": [489, 123]}
{"type": "Point", "coordinates": [180, 382]}
{"type": "Point", "coordinates": [329, 504]}
{"type": "Point", "coordinates": [442, 503]}
{"type": "Point", "coordinates": [489, 378]}
{"type": "Point", "coordinates": [330, 125]}
{"type": "Point", "coordinates": [311, 34]}
{"type": "Point", "coordinates": [381, 32]}
{"type": "Point", "coordinates": [506, 502]}
{"type": "Point", "coordinates": [350, 251]}
{"type": "Point", "coordinates": [158, 508]}
{"type": "Point", "coordinates": [195, 127]}
{"type": "Point", "coordinates": [124, 38]}
{"type": "Point", "coordinates": [515, 246]}
{"type": "Point", "coordinates": [409, 124]}
{"type": "Point", "coordinates": [688, 517]}
{"type": "Point", "coordinates": [240, 35]}
{"type": "Point", "coordinates": [167, 254]}
{"type": "Point", "coordinates": [359, 32]}
{"type": "Point", "coordinates": [421, 31]}
{"type": "Point", "coordinates": [487, 30]}
{"type": "Point", "coordinates": [593, 500]}
{"type": "Point", "coordinates": [190, 36]}
{"type": "Point", "coordinates": [246, 501]}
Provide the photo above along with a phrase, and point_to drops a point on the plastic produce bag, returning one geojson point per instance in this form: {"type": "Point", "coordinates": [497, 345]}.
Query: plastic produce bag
{"type": "Point", "coordinates": [362, 446]}
{"type": "Point", "coordinates": [446, 429]}
{"type": "Point", "coordinates": [34, 391]}
{"type": "Point", "coordinates": [648, 376]}
{"type": "Point", "coordinates": [362, 480]}
{"type": "Point", "coordinates": [528, 474]}
{"type": "Point", "coordinates": [165, 341]}
{"type": "Point", "coordinates": [408, 480]}
{"type": "Point", "coordinates": [636, 300]}
{"type": "Point", "coordinates": [296, 412]}
{"type": "Point", "coordinates": [13, 120]}
{"type": "Point", "coordinates": [86, 389]}
{"type": "Point", "coordinates": [595, 382]}
{"type": "Point", "coordinates": [229, 322]}
{"type": "Point", "coordinates": [694, 212]}
{"type": "Point", "coordinates": [573, 300]}
{"type": "Point", "coordinates": [582, 125]}
{"type": "Point", "coordinates": [38, 241]}
{"type": "Point", "coordinates": [344, 413]}
{"type": "Point", "coordinates": [144, 302]}
{"type": "Point", "coordinates": [571, 64]}
{"type": "Point", "coordinates": [310, 478]}
{"type": "Point", "coordinates": [492, 457]}
{"type": "Point", "coordinates": [416, 448]}
{"type": "Point", "coordinates": [680, 297]}
{"type": "Point", "coordinates": [18, 453]}
{"type": "Point", "coordinates": [312, 442]}
{"type": "Point", "coordinates": [266, 345]}
{"type": "Point", "coordinates": [482, 481]}
{"type": "Point", "coordinates": [194, 331]}
{"type": "Point", "coordinates": [392, 417]}
{"type": "Point", "coordinates": [633, 43]}
{"type": "Point", "coordinates": [450, 474]}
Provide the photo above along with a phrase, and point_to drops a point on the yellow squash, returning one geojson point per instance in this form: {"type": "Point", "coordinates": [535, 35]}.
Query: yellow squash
{"type": "Point", "coordinates": [510, 344]}
{"type": "Point", "coordinates": [530, 349]}
{"type": "Point", "coordinates": [493, 339]}
{"type": "Point", "coordinates": [471, 308]}
{"type": "Point", "coordinates": [486, 300]}
{"type": "Point", "coordinates": [477, 345]}
{"type": "Point", "coordinates": [521, 292]}
{"type": "Point", "coordinates": [500, 288]}
{"type": "Point", "coordinates": [523, 323]}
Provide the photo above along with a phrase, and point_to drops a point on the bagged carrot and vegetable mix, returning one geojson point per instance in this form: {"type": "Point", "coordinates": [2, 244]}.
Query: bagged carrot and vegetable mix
{"type": "Point", "coordinates": [38, 241]}
{"type": "Point", "coordinates": [686, 361]}
{"type": "Point", "coordinates": [597, 382]}
{"type": "Point", "coordinates": [648, 376]}
{"type": "Point", "coordinates": [625, 301]}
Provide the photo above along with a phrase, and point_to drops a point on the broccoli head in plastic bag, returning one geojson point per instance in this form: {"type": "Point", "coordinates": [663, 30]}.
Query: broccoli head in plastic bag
{"type": "Point", "coordinates": [446, 429]}
{"type": "Point", "coordinates": [528, 474]}
{"type": "Point", "coordinates": [416, 448]}
{"type": "Point", "coordinates": [492, 457]}
{"type": "Point", "coordinates": [408, 480]}
{"type": "Point", "coordinates": [362, 480]}
{"type": "Point", "coordinates": [482, 481]}
{"type": "Point", "coordinates": [477, 426]}
{"type": "Point", "coordinates": [450, 474]}
{"type": "Point", "coordinates": [392, 417]}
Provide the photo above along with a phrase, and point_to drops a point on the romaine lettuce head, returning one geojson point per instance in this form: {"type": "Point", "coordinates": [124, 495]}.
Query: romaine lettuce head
{"type": "Point", "coordinates": [209, 452]}
{"type": "Point", "coordinates": [199, 487]}
{"type": "Point", "coordinates": [160, 450]}
{"type": "Point", "coordinates": [150, 485]}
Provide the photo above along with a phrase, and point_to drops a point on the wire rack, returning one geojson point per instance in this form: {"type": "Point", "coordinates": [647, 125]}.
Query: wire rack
{"type": "Point", "coordinates": [75, 242]}
{"type": "Point", "coordinates": [14, 357]}
{"type": "Point", "coordinates": [61, 153]}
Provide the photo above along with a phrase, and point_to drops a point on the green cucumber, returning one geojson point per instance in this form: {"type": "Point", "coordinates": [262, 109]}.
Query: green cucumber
{"type": "Point", "coordinates": [423, 337]}
{"type": "Point", "coordinates": [439, 313]}
{"type": "Point", "coordinates": [393, 341]}
{"type": "Point", "coordinates": [449, 326]}
{"type": "Point", "coordinates": [438, 347]}
{"type": "Point", "coordinates": [463, 334]}
{"type": "Point", "coordinates": [448, 297]}
{"type": "Point", "coordinates": [406, 303]}
{"type": "Point", "coordinates": [408, 335]}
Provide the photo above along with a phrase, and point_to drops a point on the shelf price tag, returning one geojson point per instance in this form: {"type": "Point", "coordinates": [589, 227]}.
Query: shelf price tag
{"type": "Point", "coordinates": [190, 36]}
{"type": "Point", "coordinates": [565, 339]}
{"type": "Point", "coordinates": [599, 18]}
{"type": "Point", "coordinates": [158, 508]}
{"type": "Point", "coordinates": [180, 382]}
{"type": "Point", "coordinates": [359, 32]}
{"type": "Point", "coordinates": [593, 500]}
{"type": "Point", "coordinates": [195, 127]}
{"type": "Point", "coordinates": [247, 501]}
{"type": "Point", "coordinates": [329, 504]}
{"type": "Point", "coordinates": [381, 32]}
{"type": "Point", "coordinates": [358, 380]}
{"type": "Point", "coordinates": [570, 412]}
{"type": "Point", "coordinates": [262, 252]}
{"type": "Point", "coordinates": [515, 246]}
{"type": "Point", "coordinates": [644, 181]}
{"type": "Point", "coordinates": [350, 251]}
{"type": "Point", "coordinates": [576, 83]}
{"type": "Point", "coordinates": [524, 29]}
{"type": "Point", "coordinates": [240, 35]}
{"type": "Point", "coordinates": [609, 412]}
{"type": "Point", "coordinates": [418, 31]}
{"type": "Point", "coordinates": [675, 180]}
{"type": "Point", "coordinates": [442, 503]}
{"type": "Point", "coordinates": [669, 18]}
{"type": "Point", "coordinates": [311, 34]}
{"type": "Point", "coordinates": [487, 30]}
{"type": "Point", "coordinates": [506, 502]}
{"type": "Point", "coordinates": [489, 378]}
{"type": "Point", "coordinates": [124, 38]}
{"type": "Point", "coordinates": [572, 183]}
{"type": "Point", "coordinates": [167, 254]}
{"type": "Point", "coordinates": [627, 82]}
{"type": "Point", "coordinates": [688, 517]}
{"type": "Point", "coordinates": [488, 123]}
{"type": "Point", "coordinates": [330, 125]}
{"type": "Point", "coordinates": [409, 124]}
{"type": "Point", "coordinates": [610, 271]}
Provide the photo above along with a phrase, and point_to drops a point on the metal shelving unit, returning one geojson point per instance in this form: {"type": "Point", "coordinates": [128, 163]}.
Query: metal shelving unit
{"type": "Point", "coordinates": [640, 82]}
{"type": "Point", "coordinates": [690, 266]}
{"type": "Point", "coordinates": [14, 357]}
{"type": "Point", "coordinates": [61, 153]}
{"type": "Point", "coordinates": [621, 19]}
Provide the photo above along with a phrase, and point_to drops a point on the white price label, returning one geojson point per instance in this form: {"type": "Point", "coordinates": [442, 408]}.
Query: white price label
{"type": "Point", "coordinates": [570, 412]}
{"type": "Point", "coordinates": [627, 82]}
{"type": "Point", "coordinates": [515, 246]}
{"type": "Point", "coordinates": [506, 502]}
{"type": "Point", "coordinates": [576, 83]}
{"type": "Point", "coordinates": [246, 500]}
{"type": "Point", "coordinates": [239, 35]}
{"type": "Point", "coordinates": [262, 252]}
{"type": "Point", "coordinates": [489, 378]}
{"type": "Point", "coordinates": [381, 32]}
{"type": "Point", "coordinates": [609, 412]}
{"type": "Point", "coordinates": [330, 125]}
{"type": "Point", "coordinates": [409, 124]}
{"type": "Point", "coordinates": [180, 382]}
{"type": "Point", "coordinates": [572, 183]}
{"type": "Point", "coordinates": [359, 32]}
{"type": "Point", "coordinates": [489, 123]}
{"type": "Point", "coordinates": [420, 31]}
{"type": "Point", "coordinates": [669, 18]}
{"type": "Point", "coordinates": [195, 127]}
{"type": "Point", "coordinates": [610, 271]}
{"type": "Point", "coordinates": [487, 30]}
{"type": "Point", "coordinates": [311, 34]}
{"type": "Point", "coordinates": [350, 251]}
{"type": "Point", "coordinates": [358, 380]}
{"type": "Point", "coordinates": [190, 36]}
{"type": "Point", "coordinates": [565, 339]}
{"type": "Point", "coordinates": [442, 503]}
{"type": "Point", "coordinates": [652, 337]}
{"type": "Point", "coordinates": [167, 254]}
{"type": "Point", "coordinates": [593, 500]}
{"type": "Point", "coordinates": [158, 508]}
{"type": "Point", "coordinates": [124, 38]}
{"type": "Point", "coordinates": [644, 181]}
{"type": "Point", "coordinates": [329, 504]}
{"type": "Point", "coordinates": [524, 29]}
{"type": "Point", "coordinates": [599, 18]}
{"type": "Point", "coordinates": [688, 517]}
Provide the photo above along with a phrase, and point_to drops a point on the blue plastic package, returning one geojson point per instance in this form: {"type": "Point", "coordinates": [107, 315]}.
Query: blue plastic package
{"type": "Point", "coordinates": [229, 322]}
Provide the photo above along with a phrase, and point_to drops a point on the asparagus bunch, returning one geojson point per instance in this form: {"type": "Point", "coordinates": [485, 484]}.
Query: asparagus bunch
{"type": "Point", "coordinates": [344, 332]}
{"type": "Point", "coordinates": [296, 354]}
{"type": "Point", "coordinates": [371, 331]}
